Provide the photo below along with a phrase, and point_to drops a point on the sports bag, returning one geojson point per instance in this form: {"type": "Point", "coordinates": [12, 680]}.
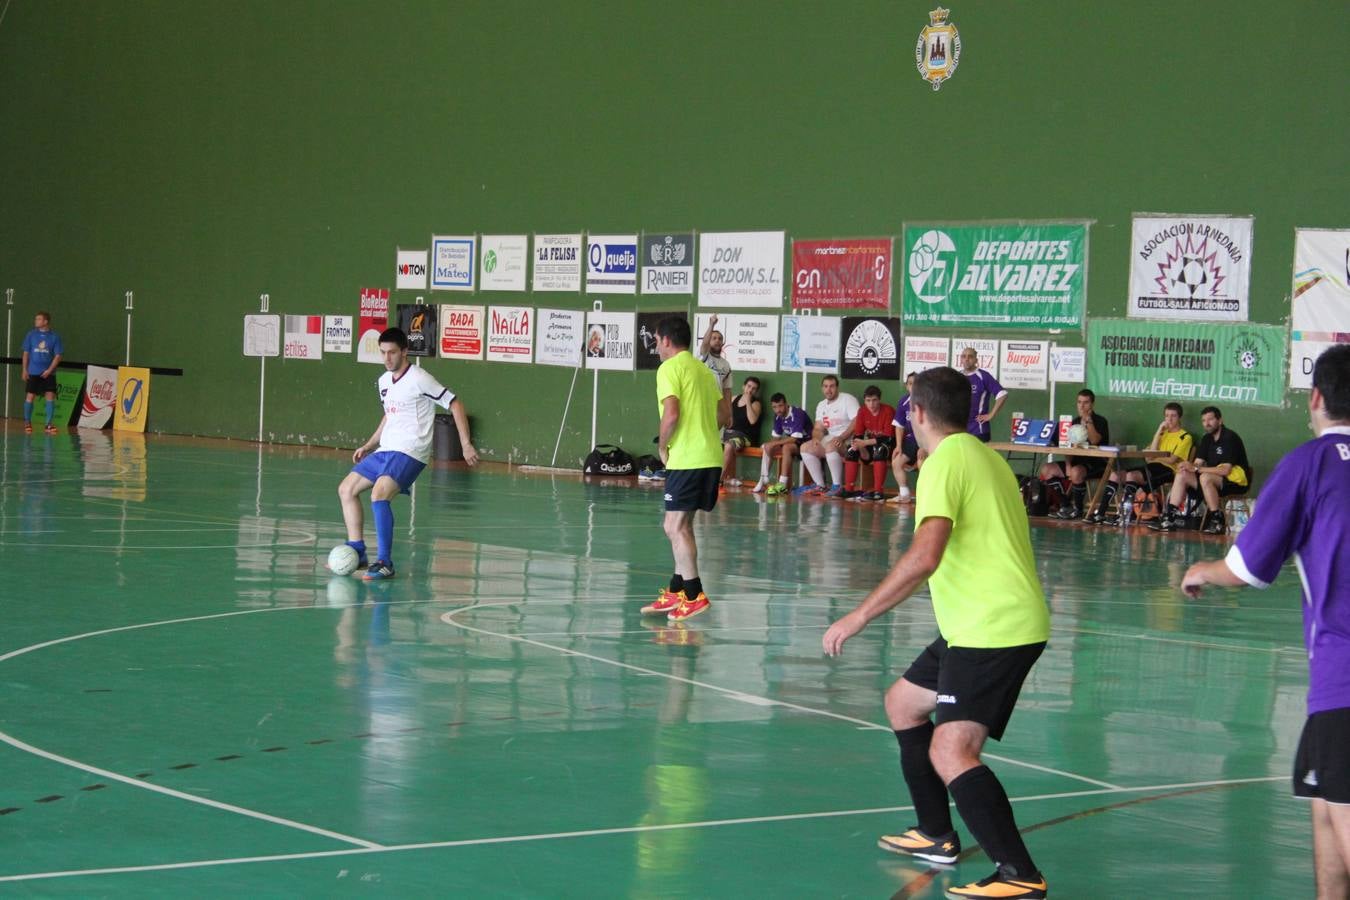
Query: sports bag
{"type": "Point", "coordinates": [1034, 496]}
{"type": "Point", "coordinates": [607, 459]}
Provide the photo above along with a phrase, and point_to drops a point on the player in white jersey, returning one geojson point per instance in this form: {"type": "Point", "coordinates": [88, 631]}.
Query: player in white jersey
{"type": "Point", "coordinates": [404, 441]}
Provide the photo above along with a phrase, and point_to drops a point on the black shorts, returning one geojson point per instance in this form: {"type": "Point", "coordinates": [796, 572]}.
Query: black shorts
{"type": "Point", "coordinates": [691, 489]}
{"type": "Point", "coordinates": [36, 384]}
{"type": "Point", "coordinates": [1095, 466]}
{"type": "Point", "coordinates": [974, 684]}
{"type": "Point", "coordinates": [1226, 489]}
{"type": "Point", "coordinates": [1322, 763]}
{"type": "Point", "coordinates": [1159, 474]}
{"type": "Point", "coordinates": [910, 449]}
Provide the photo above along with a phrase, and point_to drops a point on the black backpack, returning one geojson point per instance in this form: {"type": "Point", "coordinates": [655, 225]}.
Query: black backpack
{"type": "Point", "coordinates": [1034, 496]}
{"type": "Point", "coordinates": [606, 459]}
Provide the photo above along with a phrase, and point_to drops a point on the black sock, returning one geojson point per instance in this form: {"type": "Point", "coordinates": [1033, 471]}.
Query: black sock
{"type": "Point", "coordinates": [1107, 495]}
{"type": "Point", "coordinates": [1078, 494]}
{"type": "Point", "coordinates": [693, 587]}
{"type": "Point", "coordinates": [984, 806]}
{"type": "Point", "coordinates": [925, 787]}
{"type": "Point", "coordinates": [676, 583]}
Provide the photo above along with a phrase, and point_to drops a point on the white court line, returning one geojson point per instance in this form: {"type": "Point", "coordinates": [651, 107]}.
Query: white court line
{"type": "Point", "coordinates": [450, 619]}
{"type": "Point", "coordinates": [155, 788]}
{"type": "Point", "coordinates": [596, 832]}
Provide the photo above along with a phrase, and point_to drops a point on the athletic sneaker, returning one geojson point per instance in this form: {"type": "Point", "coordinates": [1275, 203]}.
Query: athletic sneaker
{"type": "Point", "coordinates": [50, 429]}
{"type": "Point", "coordinates": [847, 495]}
{"type": "Point", "coordinates": [875, 496]}
{"type": "Point", "coordinates": [27, 427]}
{"type": "Point", "coordinates": [894, 499]}
{"type": "Point", "coordinates": [943, 850]}
{"type": "Point", "coordinates": [1165, 523]}
{"type": "Point", "coordinates": [689, 608]}
{"type": "Point", "coordinates": [379, 569]}
{"type": "Point", "coordinates": [759, 487]}
{"type": "Point", "coordinates": [1004, 885]}
{"type": "Point", "coordinates": [1215, 524]}
{"type": "Point", "coordinates": [835, 491]}
{"type": "Point", "coordinates": [776, 488]}
{"type": "Point", "coordinates": [665, 603]}
{"type": "Point", "coordinates": [808, 489]}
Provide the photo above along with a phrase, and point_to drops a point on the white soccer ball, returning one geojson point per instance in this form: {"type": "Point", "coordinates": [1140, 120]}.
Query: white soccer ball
{"type": "Point", "coordinates": [1078, 436]}
{"type": "Point", "coordinates": [343, 560]}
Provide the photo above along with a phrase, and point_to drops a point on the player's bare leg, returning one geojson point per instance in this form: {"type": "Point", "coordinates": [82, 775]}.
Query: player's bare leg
{"type": "Point", "coordinates": [1331, 849]}
{"type": "Point", "coordinates": [349, 493]}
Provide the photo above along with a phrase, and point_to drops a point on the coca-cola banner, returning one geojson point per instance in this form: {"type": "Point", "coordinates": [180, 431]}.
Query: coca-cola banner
{"type": "Point", "coordinates": [101, 389]}
{"type": "Point", "coordinates": [1025, 364]}
{"type": "Point", "coordinates": [510, 336]}
{"type": "Point", "coordinates": [842, 274]}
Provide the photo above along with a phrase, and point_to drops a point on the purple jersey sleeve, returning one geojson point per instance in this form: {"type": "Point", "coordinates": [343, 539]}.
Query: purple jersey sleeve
{"type": "Point", "coordinates": [991, 385]}
{"type": "Point", "coordinates": [1277, 528]}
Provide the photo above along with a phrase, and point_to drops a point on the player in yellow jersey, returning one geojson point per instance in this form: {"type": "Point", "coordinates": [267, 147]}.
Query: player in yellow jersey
{"type": "Point", "coordinates": [973, 547]}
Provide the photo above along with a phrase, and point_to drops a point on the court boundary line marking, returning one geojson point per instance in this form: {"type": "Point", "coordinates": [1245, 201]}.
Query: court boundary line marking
{"type": "Point", "coordinates": [450, 619]}
{"type": "Point", "coordinates": [592, 832]}
{"type": "Point", "coordinates": [12, 741]}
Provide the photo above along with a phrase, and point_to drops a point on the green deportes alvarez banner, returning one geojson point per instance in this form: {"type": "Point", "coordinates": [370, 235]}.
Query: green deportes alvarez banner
{"type": "Point", "coordinates": [1202, 361]}
{"type": "Point", "coordinates": [68, 385]}
{"type": "Point", "coordinates": [1031, 276]}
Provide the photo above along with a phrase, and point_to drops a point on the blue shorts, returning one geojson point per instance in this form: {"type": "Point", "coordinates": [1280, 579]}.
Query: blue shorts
{"type": "Point", "coordinates": [397, 465]}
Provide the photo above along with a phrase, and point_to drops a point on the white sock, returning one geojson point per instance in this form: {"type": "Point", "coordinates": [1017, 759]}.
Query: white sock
{"type": "Point", "coordinates": [812, 464]}
{"type": "Point", "coordinates": [782, 479]}
{"type": "Point", "coordinates": [764, 467]}
{"type": "Point", "coordinates": [836, 467]}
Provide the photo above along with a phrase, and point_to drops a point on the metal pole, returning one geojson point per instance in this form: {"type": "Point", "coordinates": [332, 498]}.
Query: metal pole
{"type": "Point", "coordinates": [9, 325]}
{"type": "Point", "coordinates": [597, 306]}
{"type": "Point", "coordinates": [131, 303]}
{"type": "Point", "coordinates": [263, 301]}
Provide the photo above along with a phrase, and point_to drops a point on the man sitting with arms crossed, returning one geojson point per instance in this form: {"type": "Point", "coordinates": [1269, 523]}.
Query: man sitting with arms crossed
{"type": "Point", "coordinates": [1220, 469]}
{"type": "Point", "coordinates": [791, 427]}
{"type": "Point", "coordinates": [834, 419]}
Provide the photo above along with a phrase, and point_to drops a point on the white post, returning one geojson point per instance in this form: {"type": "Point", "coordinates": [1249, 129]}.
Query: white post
{"type": "Point", "coordinates": [263, 301]}
{"type": "Point", "coordinates": [131, 302]}
{"type": "Point", "coordinates": [596, 306]}
{"type": "Point", "coordinates": [9, 325]}
{"type": "Point", "coordinates": [1050, 457]}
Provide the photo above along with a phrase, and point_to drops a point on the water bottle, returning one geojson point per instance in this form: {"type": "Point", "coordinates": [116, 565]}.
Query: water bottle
{"type": "Point", "coordinates": [1126, 509]}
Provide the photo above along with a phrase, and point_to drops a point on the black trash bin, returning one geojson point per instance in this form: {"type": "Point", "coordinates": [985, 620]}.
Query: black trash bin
{"type": "Point", "coordinates": [445, 439]}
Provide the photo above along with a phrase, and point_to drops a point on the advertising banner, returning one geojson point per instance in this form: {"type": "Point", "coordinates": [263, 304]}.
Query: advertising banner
{"type": "Point", "coordinates": [68, 385]}
{"type": "Point", "coordinates": [647, 357]}
{"type": "Point", "coordinates": [461, 332]}
{"type": "Point", "coordinates": [924, 353]}
{"type": "Point", "coordinates": [411, 270]}
{"type": "Point", "coordinates": [1320, 297]}
{"type": "Point", "coordinates": [750, 340]}
{"type": "Point", "coordinates": [810, 343]}
{"type": "Point", "coordinates": [740, 268]}
{"type": "Point", "coordinates": [337, 334]}
{"type": "Point", "coordinates": [842, 274]}
{"type": "Point", "coordinates": [1068, 364]}
{"type": "Point", "coordinates": [871, 348]}
{"type": "Point", "coordinates": [262, 335]}
{"type": "Point", "coordinates": [965, 275]}
{"type": "Point", "coordinates": [668, 263]}
{"type": "Point", "coordinates": [611, 264]}
{"type": "Point", "coordinates": [1024, 365]}
{"type": "Point", "coordinates": [1190, 267]}
{"type": "Point", "coordinates": [561, 334]}
{"type": "Point", "coordinates": [557, 262]}
{"type": "Point", "coordinates": [99, 397]}
{"type": "Point", "coordinates": [510, 336]}
{"type": "Point", "coordinates": [1239, 363]}
{"type": "Point", "coordinates": [304, 337]}
{"type": "Point", "coordinates": [986, 350]}
{"type": "Point", "coordinates": [418, 321]}
{"type": "Point", "coordinates": [133, 399]}
{"type": "Point", "coordinates": [504, 258]}
{"type": "Point", "coordinates": [373, 318]}
{"type": "Point", "coordinates": [452, 262]}
{"type": "Point", "coordinates": [609, 340]}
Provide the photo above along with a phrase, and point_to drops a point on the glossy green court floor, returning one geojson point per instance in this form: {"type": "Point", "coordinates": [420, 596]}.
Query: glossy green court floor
{"type": "Point", "coordinates": [191, 706]}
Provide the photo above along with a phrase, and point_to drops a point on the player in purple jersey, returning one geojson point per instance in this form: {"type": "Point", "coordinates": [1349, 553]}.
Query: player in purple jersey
{"type": "Point", "coordinates": [791, 428]}
{"type": "Point", "coordinates": [983, 386]}
{"type": "Point", "coordinates": [1305, 513]}
{"type": "Point", "coordinates": [908, 456]}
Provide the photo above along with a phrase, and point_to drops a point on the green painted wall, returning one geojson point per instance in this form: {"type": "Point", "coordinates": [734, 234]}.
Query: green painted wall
{"type": "Point", "coordinates": [201, 154]}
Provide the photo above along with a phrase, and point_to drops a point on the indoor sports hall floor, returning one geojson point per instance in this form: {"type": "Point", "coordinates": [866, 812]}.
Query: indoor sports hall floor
{"type": "Point", "coordinates": [191, 706]}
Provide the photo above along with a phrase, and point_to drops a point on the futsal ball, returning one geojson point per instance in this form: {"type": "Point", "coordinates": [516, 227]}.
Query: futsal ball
{"type": "Point", "coordinates": [343, 560]}
{"type": "Point", "coordinates": [1078, 436]}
